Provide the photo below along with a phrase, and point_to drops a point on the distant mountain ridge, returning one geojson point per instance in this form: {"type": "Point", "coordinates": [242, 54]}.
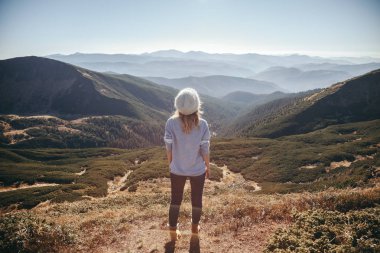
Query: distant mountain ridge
{"type": "Point", "coordinates": [167, 63]}
{"type": "Point", "coordinates": [311, 76]}
{"type": "Point", "coordinates": [313, 72]}
{"type": "Point", "coordinates": [356, 99]}
{"type": "Point", "coordinates": [219, 86]}
{"type": "Point", "coordinates": [251, 99]}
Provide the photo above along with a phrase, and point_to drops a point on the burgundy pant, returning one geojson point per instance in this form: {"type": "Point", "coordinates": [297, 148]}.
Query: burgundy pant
{"type": "Point", "coordinates": [177, 185]}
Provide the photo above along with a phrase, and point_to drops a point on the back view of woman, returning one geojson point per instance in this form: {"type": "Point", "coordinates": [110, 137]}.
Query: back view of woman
{"type": "Point", "coordinates": [187, 139]}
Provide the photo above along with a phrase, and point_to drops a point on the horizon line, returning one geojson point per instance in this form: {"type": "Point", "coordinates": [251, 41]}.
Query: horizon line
{"type": "Point", "coordinates": [320, 54]}
{"type": "Point", "coordinates": [263, 52]}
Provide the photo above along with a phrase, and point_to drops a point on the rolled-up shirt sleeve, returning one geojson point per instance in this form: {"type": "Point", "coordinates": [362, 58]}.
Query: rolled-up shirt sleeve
{"type": "Point", "coordinates": [205, 142]}
{"type": "Point", "coordinates": [168, 137]}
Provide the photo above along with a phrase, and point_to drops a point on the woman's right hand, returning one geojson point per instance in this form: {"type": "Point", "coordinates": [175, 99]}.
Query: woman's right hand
{"type": "Point", "coordinates": [208, 173]}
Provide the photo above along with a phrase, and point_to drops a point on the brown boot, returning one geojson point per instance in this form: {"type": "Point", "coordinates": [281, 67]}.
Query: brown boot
{"type": "Point", "coordinates": [174, 233]}
{"type": "Point", "coordinates": [195, 228]}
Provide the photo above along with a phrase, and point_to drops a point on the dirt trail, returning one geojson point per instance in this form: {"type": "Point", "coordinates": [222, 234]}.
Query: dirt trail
{"type": "Point", "coordinates": [151, 236]}
{"type": "Point", "coordinates": [24, 186]}
{"type": "Point", "coordinates": [80, 173]}
{"type": "Point", "coordinates": [117, 183]}
{"type": "Point", "coordinates": [233, 180]}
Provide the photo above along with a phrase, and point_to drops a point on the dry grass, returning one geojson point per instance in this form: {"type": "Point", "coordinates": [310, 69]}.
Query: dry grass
{"type": "Point", "coordinates": [236, 218]}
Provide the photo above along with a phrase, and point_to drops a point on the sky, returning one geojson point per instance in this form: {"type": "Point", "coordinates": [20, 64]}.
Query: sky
{"type": "Point", "coordinates": [313, 27]}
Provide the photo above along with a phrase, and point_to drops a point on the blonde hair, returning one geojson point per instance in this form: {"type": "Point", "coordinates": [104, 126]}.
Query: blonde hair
{"type": "Point", "coordinates": [188, 121]}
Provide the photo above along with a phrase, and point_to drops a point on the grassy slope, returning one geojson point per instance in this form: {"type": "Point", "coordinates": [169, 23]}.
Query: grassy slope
{"type": "Point", "coordinates": [278, 163]}
{"type": "Point", "coordinates": [275, 163]}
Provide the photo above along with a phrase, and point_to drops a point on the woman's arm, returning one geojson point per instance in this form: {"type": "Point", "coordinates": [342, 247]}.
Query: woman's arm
{"type": "Point", "coordinates": [168, 138]}
{"type": "Point", "coordinates": [169, 155]}
{"type": "Point", "coordinates": [205, 149]}
{"type": "Point", "coordinates": [206, 158]}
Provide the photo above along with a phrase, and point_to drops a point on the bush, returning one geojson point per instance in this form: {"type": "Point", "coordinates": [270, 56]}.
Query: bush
{"type": "Point", "coordinates": [23, 232]}
{"type": "Point", "coordinates": [216, 173]}
{"type": "Point", "coordinates": [330, 231]}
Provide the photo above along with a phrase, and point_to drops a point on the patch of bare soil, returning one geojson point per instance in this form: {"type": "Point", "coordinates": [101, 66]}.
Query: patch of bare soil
{"type": "Point", "coordinates": [64, 128]}
{"type": "Point", "coordinates": [152, 236]}
{"type": "Point", "coordinates": [117, 183]}
{"type": "Point", "coordinates": [232, 180]}
{"type": "Point", "coordinates": [24, 186]}
{"type": "Point", "coordinates": [309, 166]}
{"type": "Point", "coordinates": [80, 173]}
{"type": "Point", "coordinates": [345, 163]}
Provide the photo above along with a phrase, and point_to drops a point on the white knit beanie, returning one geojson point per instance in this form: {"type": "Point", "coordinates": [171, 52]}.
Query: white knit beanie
{"type": "Point", "coordinates": [187, 101]}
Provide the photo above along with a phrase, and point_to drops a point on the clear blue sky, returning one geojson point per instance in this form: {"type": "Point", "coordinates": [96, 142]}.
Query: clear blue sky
{"type": "Point", "coordinates": [315, 27]}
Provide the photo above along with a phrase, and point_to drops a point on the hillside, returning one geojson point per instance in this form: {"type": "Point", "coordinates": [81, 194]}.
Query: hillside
{"type": "Point", "coordinates": [96, 200]}
{"type": "Point", "coordinates": [218, 86]}
{"type": "Point", "coordinates": [356, 99]}
{"type": "Point", "coordinates": [337, 156]}
{"type": "Point", "coordinates": [31, 85]}
{"type": "Point", "coordinates": [46, 103]}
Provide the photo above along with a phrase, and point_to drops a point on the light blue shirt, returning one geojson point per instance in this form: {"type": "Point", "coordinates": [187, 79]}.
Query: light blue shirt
{"type": "Point", "coordinates": [187, 149]}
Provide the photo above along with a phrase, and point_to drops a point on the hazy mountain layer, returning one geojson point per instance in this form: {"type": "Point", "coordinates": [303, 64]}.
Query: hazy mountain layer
{"type": "Point", "coordinates": [168, 62]}
{"type": "Point", "coordinates": [218, 86]}
{"type": "Point", "coordinates": [311, 76]}
{"type": "Point", "coordinates": [251, 99]}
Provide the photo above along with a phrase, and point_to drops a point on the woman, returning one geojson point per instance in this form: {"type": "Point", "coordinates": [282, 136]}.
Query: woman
{"type": "Point", "coordinates": [187, 140]}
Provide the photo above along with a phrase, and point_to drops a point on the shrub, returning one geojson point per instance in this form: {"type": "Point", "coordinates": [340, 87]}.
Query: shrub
{"type": "Point", "coordinates": [216, 173]}
{"type": "Point", "coordinates": [23, 232]}
{"type": "Point", "coordinates": [330, 231]}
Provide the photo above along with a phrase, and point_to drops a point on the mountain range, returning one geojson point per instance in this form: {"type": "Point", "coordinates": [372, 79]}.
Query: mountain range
{"type": "Point", "coordinates": [311, 76]}
{"type": "Point", "coordinates": [107, 109]}
{"type": "Point", "coordinates": [219, 86]}
{"type": "Point", "coordinates": [290, 72]}
{"type": "Point", "coordinates": [86, 105]}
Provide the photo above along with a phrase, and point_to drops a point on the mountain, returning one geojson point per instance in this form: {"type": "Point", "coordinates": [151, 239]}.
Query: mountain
{"type": "Point", "coordinates": [353, 100]}
{"type": "Point", "coordinates": [33, 85]}
{"type": "Point", "coordinates": [218, 86]}
{"type": "Point", "coordinates": [88, 108]}
{"type": "Point", "coordinates": [351, 69]}
{"type": "Point", "coordinates": [313, 75]}
{"type": "Point", "coordinates": [295, 79]}
{"type": "Point", "coordinates": [176, 64]}
{"type": "Point", "coordinates": [153, 65]}
{"type": "Point", "coordinates": [257, 62]}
